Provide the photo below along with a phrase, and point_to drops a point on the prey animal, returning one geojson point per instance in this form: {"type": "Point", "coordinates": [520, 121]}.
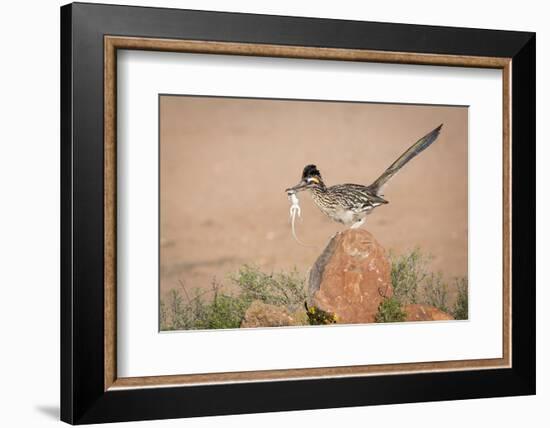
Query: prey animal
{"type": "Point", "coordinates": [349, 204]}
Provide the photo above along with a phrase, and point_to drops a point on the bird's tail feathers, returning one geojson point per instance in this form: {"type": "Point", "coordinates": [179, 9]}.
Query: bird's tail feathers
{"type": "Point", "coordinates": [415, 149]}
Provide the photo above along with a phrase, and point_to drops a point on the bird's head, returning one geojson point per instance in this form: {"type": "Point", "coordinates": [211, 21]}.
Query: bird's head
{"type": "Point", "coordinates": [311, 178]}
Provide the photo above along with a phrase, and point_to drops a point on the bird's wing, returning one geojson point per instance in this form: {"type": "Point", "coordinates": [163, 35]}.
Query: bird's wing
{"type": "Point", "coordinates": [356, 197]}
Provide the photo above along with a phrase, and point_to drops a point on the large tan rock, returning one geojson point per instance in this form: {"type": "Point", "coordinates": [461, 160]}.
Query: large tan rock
{"type": "Point", "coordinates": [260, 314]}
{"type": "Point", "coordinates": [415, 312]}
{"type": "Point", "coordinates": [351, 277]}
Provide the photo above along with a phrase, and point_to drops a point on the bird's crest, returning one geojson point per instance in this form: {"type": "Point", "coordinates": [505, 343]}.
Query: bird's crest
{"type": "Point", "coordinates": [310, 171]}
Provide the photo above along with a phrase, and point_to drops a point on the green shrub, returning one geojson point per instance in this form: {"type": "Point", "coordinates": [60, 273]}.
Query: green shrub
{"type": "Point", "coordinates": [408, 272]}
{"type": "Point", "coordinates": [225, 311]}
{"type": "Point", "coordinates": [460, 310]}
{"type": "Point", "coordinates": [180, 314]}
{"type": "Point", "coordinates": [218, 309]}
{"type": "Point", "coordinates": [280, 289]}
{"type": "Point", "coordinates": [436, 292]}
{"type": "Point", "coordinates": [163, 316]}
{"type": "Point", "coordinates": [390, 310]}
{"type": "Point", "coordinates": [413, 283]}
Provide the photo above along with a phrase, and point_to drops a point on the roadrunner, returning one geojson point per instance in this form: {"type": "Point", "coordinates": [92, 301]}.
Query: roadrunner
{"type": "Point", "coordinates": [351, 203]}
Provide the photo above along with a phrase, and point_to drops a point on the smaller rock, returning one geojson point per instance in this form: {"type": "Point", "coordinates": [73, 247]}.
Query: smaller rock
{"type": "Point", "coordinates": [416, 312]}
{"type": "Point", "coordinates": [260, 314]}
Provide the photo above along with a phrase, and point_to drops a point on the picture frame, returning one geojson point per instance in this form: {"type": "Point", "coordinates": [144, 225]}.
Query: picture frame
{"type": "Point", "coordinates": [91, 35]}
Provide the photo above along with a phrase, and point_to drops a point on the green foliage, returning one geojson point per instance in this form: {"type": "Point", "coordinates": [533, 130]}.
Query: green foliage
{"type": "Point", "coordinates": [218, 309]}
{"type": "Point", "coordinates": [436, 292]}
{"type": "Point", "coordinates": [280, 289]}
{"type": "Point", "coordinates": [225, 311]}
{"type": "Point", "coordinates": [408, 271]}
{"type": "Point", "coordinates": [460, 310]}
{"type": "Point", "coordinates": [182, 311]}
{"type": "Point", "coordinates": [317, 316]}
{"type": "Point", "coordinates": [390, 310]}
{"type": "Point", "coordinates": [413, 283]}
{"type": "Point", "coordinates": [162, 314]}
{"type": "Point", "coordinates": [180, 314]}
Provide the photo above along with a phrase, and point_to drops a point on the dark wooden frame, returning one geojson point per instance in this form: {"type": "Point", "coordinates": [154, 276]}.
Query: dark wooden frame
{"type": "Point", "coordinates": [90, 35]}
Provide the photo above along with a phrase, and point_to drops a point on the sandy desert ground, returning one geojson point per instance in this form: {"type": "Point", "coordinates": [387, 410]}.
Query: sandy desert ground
{"type": "Point", "coordinates": [226, 162]}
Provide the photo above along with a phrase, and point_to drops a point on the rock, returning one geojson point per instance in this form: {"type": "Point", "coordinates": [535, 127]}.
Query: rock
{"type": "Point", "coordinates": [415, 312]}
{"type": "Point", "coordinates": [260, 314]}
{"type": "Point", "coordinates": [351, 277]}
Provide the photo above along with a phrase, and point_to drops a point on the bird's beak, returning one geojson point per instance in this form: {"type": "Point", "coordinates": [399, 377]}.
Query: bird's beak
{"type": "Point", "coordinates": [298, 188]}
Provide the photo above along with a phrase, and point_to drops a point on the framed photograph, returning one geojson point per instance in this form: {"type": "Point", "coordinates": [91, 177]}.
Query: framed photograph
{"type": "Point", "coordinates": [265, 213]}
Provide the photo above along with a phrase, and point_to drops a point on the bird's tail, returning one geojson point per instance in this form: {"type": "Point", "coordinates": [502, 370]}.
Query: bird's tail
{"type": "Point", "coordinates": [415, 149]}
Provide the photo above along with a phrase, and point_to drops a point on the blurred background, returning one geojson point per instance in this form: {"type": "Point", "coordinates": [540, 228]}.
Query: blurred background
{"type": "Point", "coordinates": [224, 165]}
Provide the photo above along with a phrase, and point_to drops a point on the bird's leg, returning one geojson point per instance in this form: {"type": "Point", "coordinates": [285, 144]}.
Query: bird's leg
{"type": "Point", "coordinates": [358, 224]}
